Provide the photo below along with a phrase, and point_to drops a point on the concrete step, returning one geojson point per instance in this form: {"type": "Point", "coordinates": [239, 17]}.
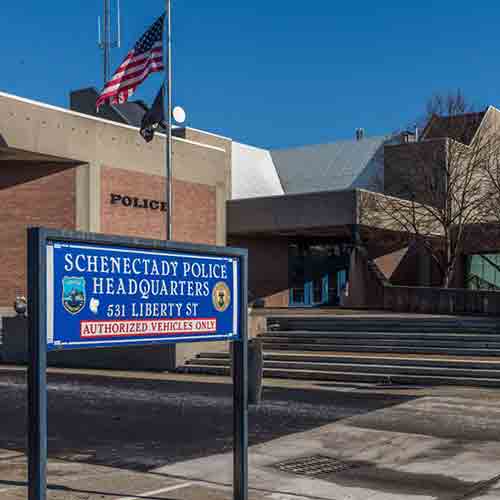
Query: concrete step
{"type": "Point", "coordinates": [368, 359]}
{"type": "Point", "coordinates": [292, 366]}
{"type": "Point", "coordinates": [389, 348]}
{"type": "Point", "coordinates": [375, 350]}
{"type": "Point", "coordinates": [466, 337]}
{"type": "Point", "coordinates": [354, 377]}
{"type": "Point", "coordinates": [385, 318]}
{"type": "Point", "coordinates": [384, 324]}
{"type": "Point", "coordinates": [396, 342]}
{"type": "Point", "coordinates": [396, 328]}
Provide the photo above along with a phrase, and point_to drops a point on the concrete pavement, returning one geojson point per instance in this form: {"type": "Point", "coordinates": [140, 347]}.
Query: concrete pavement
{"type": "Point", "coordinates": [457, 455]}
{"type": "Point", "coordinates": [77, 481]}
{"type": "Point", "coordinates": [141, 423]}
{"type": "Point", "coordinates": [432, 443]}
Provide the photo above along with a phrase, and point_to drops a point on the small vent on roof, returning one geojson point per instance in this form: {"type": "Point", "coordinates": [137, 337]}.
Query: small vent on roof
{"type": "Point", "coordinates": [409, 136]}
{"type": "Point", "coordinates": [360, 133]}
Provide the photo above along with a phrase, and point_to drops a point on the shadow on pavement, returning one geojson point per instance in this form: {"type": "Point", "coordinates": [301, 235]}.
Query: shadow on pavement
{"type": "Point", "coordinates": [143, 424]}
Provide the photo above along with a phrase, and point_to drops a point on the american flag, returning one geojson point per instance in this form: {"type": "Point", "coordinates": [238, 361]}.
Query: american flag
{"type": "Point", "coordinates": [146, 57]}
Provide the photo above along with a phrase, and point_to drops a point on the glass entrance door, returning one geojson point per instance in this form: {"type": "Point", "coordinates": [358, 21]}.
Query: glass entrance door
{"type": "Point", "coordinates": [318, 295]}
{"type": "Point", "coordinates": [318, 273]}
{"type": "Point", "coordinates": [299, 284]}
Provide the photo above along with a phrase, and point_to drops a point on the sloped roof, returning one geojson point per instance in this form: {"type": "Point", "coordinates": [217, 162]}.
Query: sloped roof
{"type": "Point", "coordinates": [460, 127]}
{"type": "Point", "coordinates": [253, 173]}
{"type": "Point", "coordinates": [339, 165]}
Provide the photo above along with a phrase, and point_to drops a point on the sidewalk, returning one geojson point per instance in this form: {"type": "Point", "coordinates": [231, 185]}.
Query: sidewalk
{"type": "Point", "coordinates": [387, 464]}
{"type": "Point", "coordinates": [77, 481]}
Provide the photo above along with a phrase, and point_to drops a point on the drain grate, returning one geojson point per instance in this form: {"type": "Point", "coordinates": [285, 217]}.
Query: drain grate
{"type": "Point", "coordinates": [315, 465]}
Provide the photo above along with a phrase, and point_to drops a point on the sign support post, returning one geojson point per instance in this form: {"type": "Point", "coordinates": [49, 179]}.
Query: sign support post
{"type": "Point", "coordinates": [37, 371]}
{"type": "Point", "coordinates": [240, 405]}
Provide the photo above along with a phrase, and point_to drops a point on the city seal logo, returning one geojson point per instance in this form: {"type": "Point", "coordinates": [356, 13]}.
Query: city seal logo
{"type": "Point", "coordinates": [221, 296]}
{"type": "Point", "coordinates": [73, 298]}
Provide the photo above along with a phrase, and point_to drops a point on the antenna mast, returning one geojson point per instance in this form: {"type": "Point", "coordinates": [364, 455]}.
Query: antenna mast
{"type": "Point", "coordinates": [105, 39]}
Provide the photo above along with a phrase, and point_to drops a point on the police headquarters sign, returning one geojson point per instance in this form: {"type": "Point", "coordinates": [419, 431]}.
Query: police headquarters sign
{"type": "Point", "coordinates": [105, 295]}
{"type": "Point", "coordinates": [91, 290]}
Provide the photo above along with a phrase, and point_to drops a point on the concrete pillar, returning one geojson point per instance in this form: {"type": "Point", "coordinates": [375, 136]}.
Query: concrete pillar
{"type": "Point", "coordinates": [88, 197]}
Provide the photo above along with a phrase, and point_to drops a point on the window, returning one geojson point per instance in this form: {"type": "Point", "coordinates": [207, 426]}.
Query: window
{"type": "Point", "coordinates": [483, 272]}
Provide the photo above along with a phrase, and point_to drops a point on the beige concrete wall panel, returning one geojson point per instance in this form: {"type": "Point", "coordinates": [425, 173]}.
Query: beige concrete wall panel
{"type": "Point", "coordinates": [207, 138]}
{"type": "Point", "coordinates": [490, 124]}
{"type": "Point", "coordinates": [221, 198]}
{"type": "Point", "coordinates": [82, 180]}
{"type": "Point", "coordinates": [88, 197]}
{"type": "Point", "coordinates": [47, 130]}
{"type": "Point", "coordinates": [95, 178]}
{"type": "Point", "coordinates": [194, 163]}
{"type": "Point", "coordinates": [380, 211]}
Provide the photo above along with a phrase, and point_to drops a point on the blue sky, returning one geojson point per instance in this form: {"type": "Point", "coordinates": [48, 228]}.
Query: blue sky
{"type": "Point", "coordinates": [273, 73]}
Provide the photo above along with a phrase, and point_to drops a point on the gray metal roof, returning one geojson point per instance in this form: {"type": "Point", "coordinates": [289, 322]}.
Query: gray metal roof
{"type": "Point", "coordinates": [339, 165]}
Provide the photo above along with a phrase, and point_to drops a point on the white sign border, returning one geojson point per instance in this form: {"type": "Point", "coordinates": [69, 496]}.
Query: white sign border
{"type": "Point", "coordinates": [50, 295]}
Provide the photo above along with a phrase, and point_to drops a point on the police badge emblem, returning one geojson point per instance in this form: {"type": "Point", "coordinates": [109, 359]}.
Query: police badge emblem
{"type": "Point", "coordinates": [73, 294]}
{"type": "Point", "coordinates": [221, 296]}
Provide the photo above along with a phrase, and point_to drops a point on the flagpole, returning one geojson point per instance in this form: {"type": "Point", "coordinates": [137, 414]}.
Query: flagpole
{"type": "Point", "coordinates": [168, 115]}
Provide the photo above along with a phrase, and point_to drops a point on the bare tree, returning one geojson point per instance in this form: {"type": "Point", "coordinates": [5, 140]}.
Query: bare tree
{"type": "Point", "coordinates": [436, 184]}
{"type": "Point", "coordinates": [492, 205]}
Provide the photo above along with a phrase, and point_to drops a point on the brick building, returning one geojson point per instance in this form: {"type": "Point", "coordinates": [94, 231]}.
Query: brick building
{"type": "Point", "coordinates": [298, 211]}
{"type": "Point", "coordinates": [63, 169]}
{"type": "Point", "coordinates": [301, 212]}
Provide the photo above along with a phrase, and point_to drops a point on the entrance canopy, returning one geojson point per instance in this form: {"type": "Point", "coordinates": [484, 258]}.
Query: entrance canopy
{"type": "Point", "coordinates": [301, 244]}
{"type": "Point", "coordinates": [333, 215]}
{"type": "Point", "coordinates": [319, 213]}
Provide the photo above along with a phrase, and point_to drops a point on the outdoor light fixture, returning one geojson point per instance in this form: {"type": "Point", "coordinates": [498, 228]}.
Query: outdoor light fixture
{"type": "Point", "coordinates": [20, 306]}
{"type": "Point", "coordinates": [179, 115]}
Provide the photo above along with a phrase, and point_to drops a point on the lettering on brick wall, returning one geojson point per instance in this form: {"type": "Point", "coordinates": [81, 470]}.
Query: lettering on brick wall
{"type": "Point", "coordinates": [135, 202]}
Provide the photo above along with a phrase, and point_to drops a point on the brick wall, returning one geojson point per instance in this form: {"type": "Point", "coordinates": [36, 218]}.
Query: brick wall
{"type": "Point", "coordinates": [267, 268]}
{"type": "Point", "coordinates": [365, 283]}
{"type": "Point", "coordinates": [195, 215]}
{"type": "Point", "coordinates": [30, 195]}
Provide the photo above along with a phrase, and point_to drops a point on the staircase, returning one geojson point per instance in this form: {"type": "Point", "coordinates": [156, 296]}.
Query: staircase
{"type": "Point", "coordinates": [382, 349]}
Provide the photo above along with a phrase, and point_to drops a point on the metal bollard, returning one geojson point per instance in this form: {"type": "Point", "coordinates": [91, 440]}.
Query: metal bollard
{"type": "Point", "coordinates": [255, 371]}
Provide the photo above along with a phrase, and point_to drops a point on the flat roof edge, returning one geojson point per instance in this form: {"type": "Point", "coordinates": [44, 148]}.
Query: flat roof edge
{"type": "Point", "coordinates": [297, 195]}
{"type": "Point", "coordinates": [70, 112]}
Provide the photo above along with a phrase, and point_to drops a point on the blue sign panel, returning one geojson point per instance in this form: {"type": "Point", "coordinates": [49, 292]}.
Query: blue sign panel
{"type": "Point", "coordinates": [102, 296]}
